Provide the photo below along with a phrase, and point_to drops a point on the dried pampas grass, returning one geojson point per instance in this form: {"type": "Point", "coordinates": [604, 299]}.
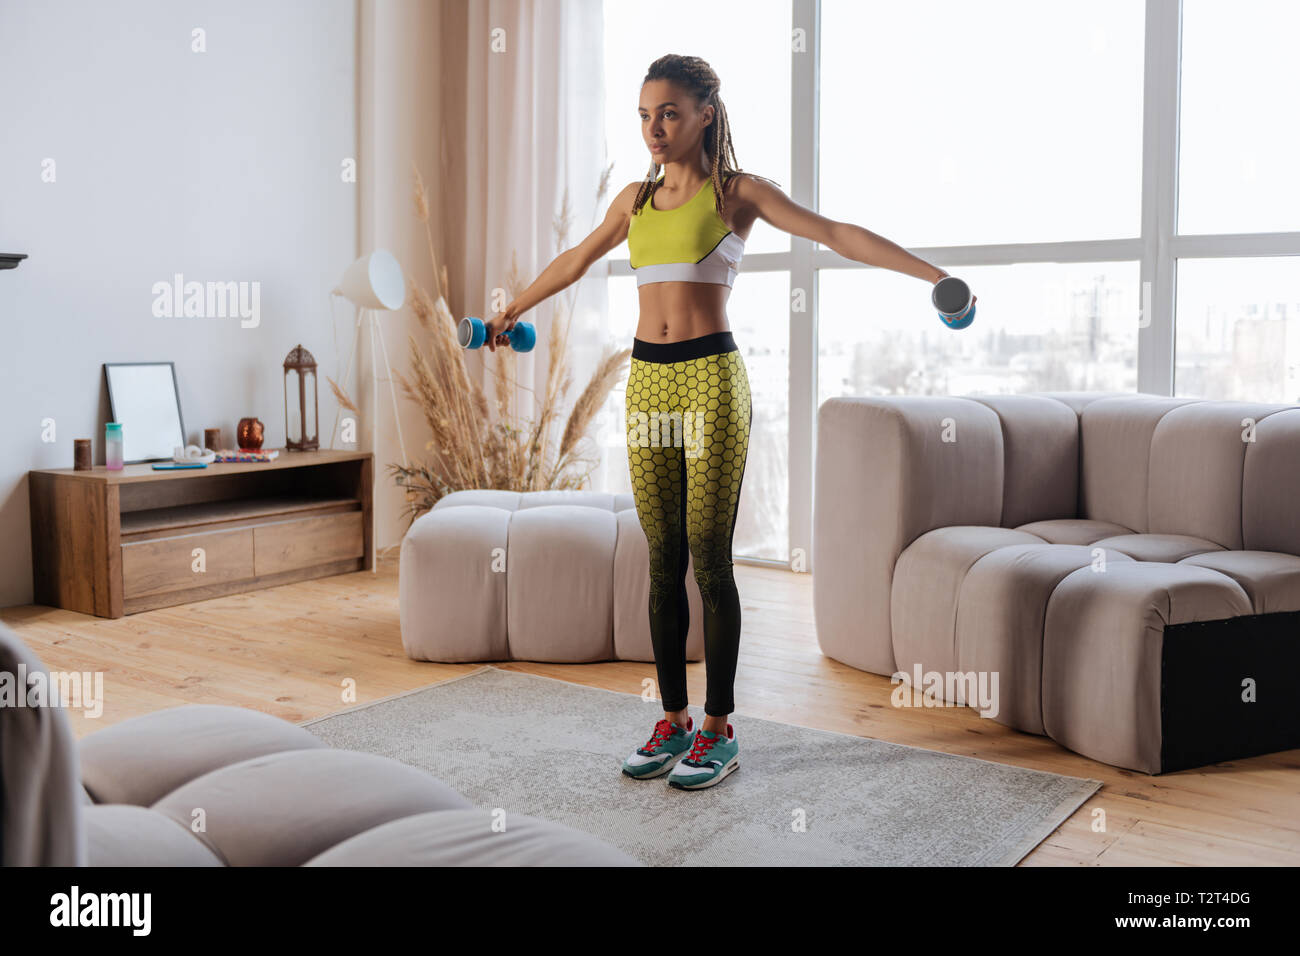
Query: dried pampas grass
{"type": "Point", "coordinates": [466, 447]}
{"type": "Point", "coordinates": [342, 396]}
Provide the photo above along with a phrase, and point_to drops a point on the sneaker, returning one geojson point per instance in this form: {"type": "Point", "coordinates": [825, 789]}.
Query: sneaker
{"type": "Point", "coordinates": [712, 759]}
{"type": "Point", "coordinates": [657, 755]}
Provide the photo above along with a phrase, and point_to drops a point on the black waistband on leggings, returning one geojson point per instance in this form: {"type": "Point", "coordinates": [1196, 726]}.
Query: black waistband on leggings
{"type": "Point", "coordinates": [712, 344]}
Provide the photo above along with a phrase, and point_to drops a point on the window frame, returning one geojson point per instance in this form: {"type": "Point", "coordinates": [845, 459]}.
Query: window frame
{"type": "Point", "coordinates": [1157, 250]}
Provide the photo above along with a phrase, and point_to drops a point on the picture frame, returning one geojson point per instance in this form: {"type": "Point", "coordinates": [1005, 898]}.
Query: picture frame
{"type": "Point", "coordinates": [145, 399]}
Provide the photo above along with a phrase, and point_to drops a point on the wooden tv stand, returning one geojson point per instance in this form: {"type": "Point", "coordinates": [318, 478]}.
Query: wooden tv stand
{"type": "Point", "coordinates": [111, 543]}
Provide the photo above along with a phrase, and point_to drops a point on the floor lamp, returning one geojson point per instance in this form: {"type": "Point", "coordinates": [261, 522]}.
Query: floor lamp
{"type": "Point", "coordinates": [374, 283]}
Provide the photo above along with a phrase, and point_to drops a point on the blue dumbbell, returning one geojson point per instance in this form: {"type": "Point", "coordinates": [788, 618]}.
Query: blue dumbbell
{"type": "Point", "coordinates": [952, 298]}
{"type": "Point", "coordinates": [472, 334]}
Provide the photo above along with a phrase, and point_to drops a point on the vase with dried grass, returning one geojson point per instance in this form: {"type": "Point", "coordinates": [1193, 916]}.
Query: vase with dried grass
{"type": "Point", "coordinates": [467, 447]}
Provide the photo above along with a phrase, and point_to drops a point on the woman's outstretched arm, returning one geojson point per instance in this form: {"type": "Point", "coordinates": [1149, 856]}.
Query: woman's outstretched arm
{"type": "Point", "coordinates": [850, 241]}
{"type": "Point", "coordinates": [566, 268]}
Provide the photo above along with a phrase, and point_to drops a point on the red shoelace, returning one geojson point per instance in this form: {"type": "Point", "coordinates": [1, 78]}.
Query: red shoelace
{"type": "Point", "coordinates": [663, 730]}
{"type": "Point", "coordinates": [701, 747]}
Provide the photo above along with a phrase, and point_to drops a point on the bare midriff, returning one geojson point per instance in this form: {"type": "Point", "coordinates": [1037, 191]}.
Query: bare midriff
{"type": "Point", "coordinates": [673, 311]}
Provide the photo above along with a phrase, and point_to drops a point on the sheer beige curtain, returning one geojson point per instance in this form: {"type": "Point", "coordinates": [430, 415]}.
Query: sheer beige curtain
{"type": "Point", "coordinates": [500, 104]}
{"type": "Point", "coordinates": [524, 103]}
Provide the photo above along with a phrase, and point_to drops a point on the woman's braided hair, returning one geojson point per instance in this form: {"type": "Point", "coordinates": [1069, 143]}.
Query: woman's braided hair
{"type": "Point", "coordinates": [697, 78]}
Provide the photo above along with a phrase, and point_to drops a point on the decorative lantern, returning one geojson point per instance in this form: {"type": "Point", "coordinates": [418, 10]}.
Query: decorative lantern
{"type": "Point", "coordinates": [300, 429]}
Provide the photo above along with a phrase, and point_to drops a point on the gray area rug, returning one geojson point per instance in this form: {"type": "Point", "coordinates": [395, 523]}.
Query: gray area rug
{"type": "Point", "coordinates": [551, 749]}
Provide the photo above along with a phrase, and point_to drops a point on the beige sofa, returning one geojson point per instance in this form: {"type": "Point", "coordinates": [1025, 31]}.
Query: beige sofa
{"type": "Point", "coordinates": [1128, 566]}
{"type": "Point", "coordinates": [210, 785]}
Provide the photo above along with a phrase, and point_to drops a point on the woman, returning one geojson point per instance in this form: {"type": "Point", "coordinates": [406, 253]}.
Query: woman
{"type": "Point", "coordinates": [688, 402]}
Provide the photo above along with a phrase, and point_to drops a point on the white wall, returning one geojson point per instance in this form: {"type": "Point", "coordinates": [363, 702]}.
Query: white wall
{"type": "Point", "coordinates": [222, 165]}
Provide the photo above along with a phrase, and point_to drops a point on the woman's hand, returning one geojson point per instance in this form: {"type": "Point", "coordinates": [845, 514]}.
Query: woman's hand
{"type": "Point", "coordinates": [499, 325]}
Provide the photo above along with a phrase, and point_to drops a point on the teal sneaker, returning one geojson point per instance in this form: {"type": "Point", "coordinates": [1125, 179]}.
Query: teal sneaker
{"type": "Point", "coordinates": [712, 759]}
{"type": "Point", "coordinates": [657, 755]}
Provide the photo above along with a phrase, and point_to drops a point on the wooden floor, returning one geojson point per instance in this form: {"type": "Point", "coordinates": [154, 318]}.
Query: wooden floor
{"type": "Point", "coordinates": [289, 651]}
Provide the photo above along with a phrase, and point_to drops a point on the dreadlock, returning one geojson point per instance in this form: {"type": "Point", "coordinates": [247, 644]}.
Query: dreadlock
{"type": "Point", "coordinates": [697, 78]}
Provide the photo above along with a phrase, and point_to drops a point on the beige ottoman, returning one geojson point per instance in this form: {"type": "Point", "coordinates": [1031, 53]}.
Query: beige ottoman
{"type": "Point", "coordinates": [557, 576]}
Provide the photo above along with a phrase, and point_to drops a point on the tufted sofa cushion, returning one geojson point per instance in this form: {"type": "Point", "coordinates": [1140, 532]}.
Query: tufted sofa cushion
{"type": "Point", "coordinates": [1197, 458]}
{"type": "Point", "coordinates": [469, 838]}
{"type": "Point", "coordinates": [283, 809]}
{"type": "Point", "coordinates": [124, 835]}
{"type": "Point", "coordinates": [1000, 616]}
{"type": "Point", "coordinates": [564, 576]}
{"type": "Point", "coordinates": [1115, 457]}
{"type": "Point", "coordinates": [926, 587]}
{"type": "Point", "coordinates": [1270, 506]}
{"type": "Point", "coordinates": [1040, 445]}
{"type": "Point", "coordinates": [1270, 579]}
{"type": "Point", "coordinates": [139, 761]}
{"type": "Point", "coordinates": [1158, 547]}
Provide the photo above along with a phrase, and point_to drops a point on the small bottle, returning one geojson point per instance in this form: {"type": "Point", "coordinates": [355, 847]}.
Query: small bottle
{"type": "Point", "coordinates": [113, 446]}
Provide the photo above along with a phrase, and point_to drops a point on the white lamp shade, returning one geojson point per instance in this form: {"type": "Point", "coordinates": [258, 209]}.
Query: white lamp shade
{"type": "Point", "coordinates": [374, 282]}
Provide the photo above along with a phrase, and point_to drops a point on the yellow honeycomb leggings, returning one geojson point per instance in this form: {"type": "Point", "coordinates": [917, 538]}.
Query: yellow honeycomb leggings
{"type": "Point", "coordinates": [688, 417]}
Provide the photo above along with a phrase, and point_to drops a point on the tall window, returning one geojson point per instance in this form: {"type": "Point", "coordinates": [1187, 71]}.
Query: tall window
{"type": "Point", "coordinates": [947, 124]}
{"type": "Point", "coordinates": [1116, 180]}
{"type": "Point", "coordinates": [1238, 319]}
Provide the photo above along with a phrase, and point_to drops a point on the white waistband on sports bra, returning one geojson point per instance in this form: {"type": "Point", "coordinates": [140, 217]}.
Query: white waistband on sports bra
{"type": "Point", "coordinates": [719, 266]}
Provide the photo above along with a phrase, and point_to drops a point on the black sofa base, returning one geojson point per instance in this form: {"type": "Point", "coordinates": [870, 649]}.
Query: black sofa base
{"type": "Point", "coordinates": [1205, 716]}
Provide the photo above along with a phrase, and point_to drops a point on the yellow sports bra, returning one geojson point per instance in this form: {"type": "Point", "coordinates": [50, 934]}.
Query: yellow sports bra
{"type": "Point", "coordinates": [690, 243]}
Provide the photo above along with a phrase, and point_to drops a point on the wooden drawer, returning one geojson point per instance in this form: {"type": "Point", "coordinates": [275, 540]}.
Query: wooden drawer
{"type": "Point", "coordinates": [306, 542]}
{"type": "Point", "coordinates": [167, 564]}
{"type": "Point", "coordinates": [117, 542]}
